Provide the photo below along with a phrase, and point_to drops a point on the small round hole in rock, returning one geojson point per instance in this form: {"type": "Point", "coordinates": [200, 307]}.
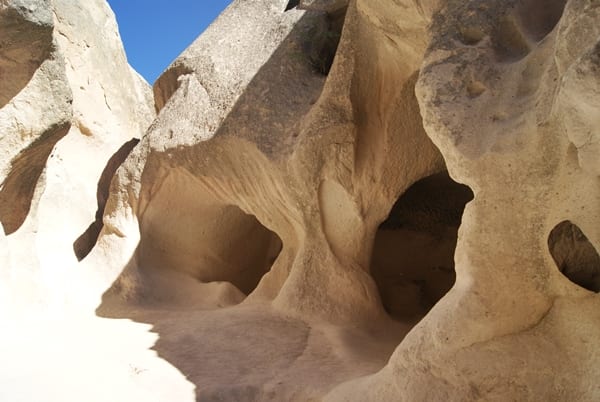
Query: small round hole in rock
{"type": "Point", "coordinates": [413, 255]}
{"type": "Point", "coordinates": [471, 36]}
{"type": "Point", "coordinates": [509, 41]}
{"type": "Point", "coordinates": [575, 255]}
{"type": "Point", "coordinates": [539, 17]}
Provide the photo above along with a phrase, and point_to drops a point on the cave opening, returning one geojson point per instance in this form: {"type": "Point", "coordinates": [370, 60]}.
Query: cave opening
{"type": "Point", "coordinates": [413, 254]}
{"type": "Point", "coordinates": [575, 256]}
{"type": "Point", "coordinates": [212, 243]}
{"type": "Point", "coordinates": [195, 252]}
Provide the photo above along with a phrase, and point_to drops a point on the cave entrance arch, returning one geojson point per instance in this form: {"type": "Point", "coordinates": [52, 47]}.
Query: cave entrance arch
{"type": "Point", "coordinates": [198, 235]}
{"type": "Point", "coordinates": [413, 254]}
{"type": "Point", "coordinates": [195, 252]}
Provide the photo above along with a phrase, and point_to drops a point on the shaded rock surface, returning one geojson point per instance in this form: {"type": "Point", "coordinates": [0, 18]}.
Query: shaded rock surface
{"type": "Point", "coordinates": [340, 201]}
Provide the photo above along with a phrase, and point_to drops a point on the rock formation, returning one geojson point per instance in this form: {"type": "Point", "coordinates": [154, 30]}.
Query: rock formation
{"type": "Point", "coordinates": [343, 201]}
{"type": "Point", "coordinates": [69, 101]}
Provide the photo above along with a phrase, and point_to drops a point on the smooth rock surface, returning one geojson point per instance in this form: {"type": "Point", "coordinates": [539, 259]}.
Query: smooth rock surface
{"type": "Point", "coordinates": [81, 104]}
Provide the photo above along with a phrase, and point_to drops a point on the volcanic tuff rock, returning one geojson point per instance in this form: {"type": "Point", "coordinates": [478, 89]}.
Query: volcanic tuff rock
{"type": "Point", "coordinates": [291, 224]}
{"type": "Point", "coordinates": [69, 100]}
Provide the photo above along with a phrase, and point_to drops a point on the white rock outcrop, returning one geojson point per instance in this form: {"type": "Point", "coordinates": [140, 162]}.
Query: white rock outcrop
{"type": "Point", "coordinates": [76, 103]}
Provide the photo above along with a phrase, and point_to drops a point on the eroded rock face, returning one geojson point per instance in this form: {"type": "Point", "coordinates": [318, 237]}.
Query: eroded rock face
{"type": "Point", "coordinates": [494, 92]}
{"type": "Point", "coordinates": [68, 101]}
{"type": "Point", "coordinates": [292, 224]}
{"type": "Point", "coordinates": [26, 43]}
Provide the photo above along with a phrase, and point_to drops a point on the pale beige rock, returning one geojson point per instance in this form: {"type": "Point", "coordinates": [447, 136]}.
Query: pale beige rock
{"type": "Point", "coordinates": [288, 228]}
{"type": "Point", "coordinates": [78, 104]}
{"type": "Point", "coordinates": [495, 90]}
{"type": "Point", "coordinates": [318, 162]}
{"type": "Point", "coordinates": [26, 27]}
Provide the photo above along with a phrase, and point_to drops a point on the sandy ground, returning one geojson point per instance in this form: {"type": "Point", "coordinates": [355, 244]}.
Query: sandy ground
{"type": "Point", "coordinates": [240, 353]}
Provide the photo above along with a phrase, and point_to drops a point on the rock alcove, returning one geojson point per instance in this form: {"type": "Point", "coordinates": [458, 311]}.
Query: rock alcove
{"type": "Point", "coordinates": [413, 254]}
{"type": "Point", "coordinates": [575, 255]}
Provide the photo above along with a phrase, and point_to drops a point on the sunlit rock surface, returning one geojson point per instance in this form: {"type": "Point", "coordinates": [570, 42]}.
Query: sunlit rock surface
{"type": "Point", "coordinates": [344, 201]}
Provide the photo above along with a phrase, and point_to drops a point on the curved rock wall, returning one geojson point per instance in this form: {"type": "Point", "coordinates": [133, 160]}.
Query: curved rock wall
{"type": "Point", "coordinates": [494, 92]}
{"type": "Point", "coordinates": [70, 102]}
{"type": "Point", "coordinates": [291, 224]}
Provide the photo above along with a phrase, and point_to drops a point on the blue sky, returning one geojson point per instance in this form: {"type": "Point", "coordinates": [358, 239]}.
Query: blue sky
{"type": "Point", "coordinates": [155, 32]}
